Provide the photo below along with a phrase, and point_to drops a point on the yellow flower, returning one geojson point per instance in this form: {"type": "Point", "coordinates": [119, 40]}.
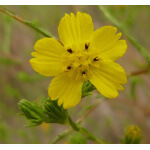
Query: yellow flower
{"type": "Point", "coordinates": [83, 54]}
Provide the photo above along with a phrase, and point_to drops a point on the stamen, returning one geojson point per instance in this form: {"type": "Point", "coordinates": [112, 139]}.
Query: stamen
{"type": "Point", "coordinates": [70, 50]}
{"type": "Point", "coordinates": [96, 59]}
{"type": "Point", "coordinates": [87, 46]}
{"type": "Point", "coordinates": [69, 67]}
{"type": "Point", "coordinates": [83, 73]}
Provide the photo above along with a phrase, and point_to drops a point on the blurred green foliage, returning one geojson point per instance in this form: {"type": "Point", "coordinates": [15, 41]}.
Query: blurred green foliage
{"type": "Point", "coordinates": [25, 77]}
{"type": "Point", "coordinates": [12, 92]}
{"type": "Point", "coordinates": [8, 21]}
{"type": "Point", "coordinates": [8, 61]}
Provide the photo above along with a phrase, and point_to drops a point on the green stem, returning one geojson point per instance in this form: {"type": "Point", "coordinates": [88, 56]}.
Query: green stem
{"type": "Point", "coordinates": [61, 136]}
{"type": "Point", "coordinates": [69, 130]}
{"type": "Point", "coordinates": [38, 29]}
{"type": "Point", "coordinates": [84, 131]}
{"type": "Point", "coordinates": [139, 47]}
{"type": "Point", "coordinates": [73, 124]}
{"type": "Point", "coordinates": [28, 23]}
{"type": "Point", "coordinates": [90, 136]}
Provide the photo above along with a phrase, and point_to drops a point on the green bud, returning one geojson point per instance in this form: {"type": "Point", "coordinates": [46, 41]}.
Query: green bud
{"type": "Point", "coordinates": [54, 113]}
{"type": "Point", "coordinates": [32, 111]}
{"type": "Point", "coordinates": [133, 135]}
{"type": "Point", "coordinates": [48, 112]}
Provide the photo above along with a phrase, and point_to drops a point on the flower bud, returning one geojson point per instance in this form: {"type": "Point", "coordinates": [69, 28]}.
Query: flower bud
{"type": "Point", "coordinates": [48, 112]}
{"type": "Point", "coordinates": [32, 111]}
{"type": "Point", "coordinates": [133, 135]}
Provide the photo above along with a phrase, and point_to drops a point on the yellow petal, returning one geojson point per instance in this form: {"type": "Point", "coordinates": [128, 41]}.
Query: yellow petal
{"type": "Point", "coordinates": [108, 77]}
{"type": "Point", "coordinates": [47, 59]}
{"type": "Point", "coordinates": [67, 90]}
{"type": "Point", "coordinates": [107, 43]}
{"type": "Point", "coordinates": [75, 29]}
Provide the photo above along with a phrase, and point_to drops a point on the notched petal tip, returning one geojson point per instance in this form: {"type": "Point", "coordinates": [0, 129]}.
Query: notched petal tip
{"type": "Point", "coordinates": [108, 78]}
{"type": "Point", "coordinates": [33, 54]}
{"type": "Point", "coordinates": [31, 61]}
{"type": "Point", "coordinates": [112, 96]}
{"type": "Point", "coordinates": [69, 105]}
{"type": "Point", "coordinates": [119, 35]}
{"type": "Point", "coordinates": [125, 79]}
{"type": "Point", "coordinates": [74, 29]}
{"type": "Point", "coordinates": [47, 61]}
{"type": "Point", "coordinates": [109, 28]}
{"type": "Point", "coordinates": [66, 90]}
{"type": "Point", "coordinates": [125, 43]}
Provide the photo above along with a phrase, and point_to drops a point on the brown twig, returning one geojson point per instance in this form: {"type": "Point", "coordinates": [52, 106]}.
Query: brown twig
{"type": "Point", "coordinates": [25, 22]}
{"type": "Point", "coordinates": [12, 15]}
{"type": "Point", "coordinates": [139, 72]}
{"type": "Point", "coordinates": [88, 112]}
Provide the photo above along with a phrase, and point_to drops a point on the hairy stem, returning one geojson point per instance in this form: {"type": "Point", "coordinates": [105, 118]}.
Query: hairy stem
{"type": "Point", "coordinates": [143, 51]}
{"type": "Point", "coordinates": [69, 130]}
{"type": "Point", "coordinates": [73, 124]}
{"type": "Point", "coordinates": [28, 23]}
{"type": "Point", "coordinates": [90, 136]}
{"type": "Point", "coordinates": [61, 136]}
{"type": "Point", "coordinates": [84, 131]}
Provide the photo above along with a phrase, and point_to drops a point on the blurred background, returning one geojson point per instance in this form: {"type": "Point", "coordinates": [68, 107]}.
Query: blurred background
{"type": "Point", "coordinates": [18, 80]}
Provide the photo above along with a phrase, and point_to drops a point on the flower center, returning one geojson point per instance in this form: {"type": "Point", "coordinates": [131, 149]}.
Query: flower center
{"type": "Point", "coordinates": [78, 61]}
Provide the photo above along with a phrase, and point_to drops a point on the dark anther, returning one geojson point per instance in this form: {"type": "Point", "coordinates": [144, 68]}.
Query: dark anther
{"type": "Point", "coordinates": [69, 67]}
{"type": "Point", "coordinates": [86, 46]}
{"type": "Point", "coordinates": [83, 73]}
{"type": "Point", "coordinates": [70, 50]}
{"type": "Point", "coordinates": [96, 59]}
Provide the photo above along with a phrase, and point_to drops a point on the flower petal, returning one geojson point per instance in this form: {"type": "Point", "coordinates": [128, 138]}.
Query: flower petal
{"type": "Point", "coordinates": [108, 77]}
{"type": "Point", "coordinates": [106, 41]}
{"type": "Point", "coordinates": [75, 30]}
{"type": "Point", "coordinates": [47, 59]}
{"type": "Point", "coordinates": [67, 90]}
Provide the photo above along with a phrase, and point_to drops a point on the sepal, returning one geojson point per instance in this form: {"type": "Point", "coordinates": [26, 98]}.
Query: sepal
{"type": "Point", "coordinates": [54, 113]}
